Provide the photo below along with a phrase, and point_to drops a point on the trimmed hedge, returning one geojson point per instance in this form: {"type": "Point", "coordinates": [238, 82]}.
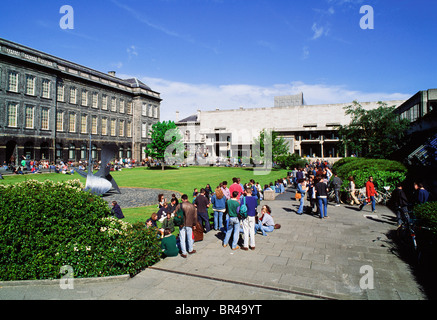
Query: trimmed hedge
{"type": "Point", "coordinates": [427, 214]}
{"type": "Point", "coordinates": [47, 225]}
{"type": "Point", "coordinates": [384, 172]}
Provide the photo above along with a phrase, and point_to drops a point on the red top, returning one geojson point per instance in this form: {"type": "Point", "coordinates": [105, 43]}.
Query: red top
{"type": "Point", "coordinates": [370, 189]}
{"type": "Point", "coordinates": [236, 187]}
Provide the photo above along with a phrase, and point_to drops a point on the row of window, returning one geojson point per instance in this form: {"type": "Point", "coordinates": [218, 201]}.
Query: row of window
{"type": "Point", "coordinates": [124, 127]}
{"type": "Point", "coordinates": [93, 99]}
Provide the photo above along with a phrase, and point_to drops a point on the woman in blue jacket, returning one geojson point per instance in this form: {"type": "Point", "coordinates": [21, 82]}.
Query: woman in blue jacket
{"type": "Point", "coordinates": [218, 201]}
{"type": "Point", "coordinates": [302, 189]}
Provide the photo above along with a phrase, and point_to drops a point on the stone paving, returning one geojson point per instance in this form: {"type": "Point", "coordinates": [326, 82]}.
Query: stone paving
{"type": "Point", "coordinates": [308, 258]}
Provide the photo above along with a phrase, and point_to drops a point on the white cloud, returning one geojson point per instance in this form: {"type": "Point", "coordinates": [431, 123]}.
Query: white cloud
{"type": "Point", "coordinates": [187, 98]}
{"type": "Point", "coordinates": [132, 51]}
{"type": "Point", "coordinates": [318, 31]}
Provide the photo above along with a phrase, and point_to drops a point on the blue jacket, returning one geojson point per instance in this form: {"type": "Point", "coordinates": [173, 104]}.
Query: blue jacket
{"type": "Point", "coordinates": [218, 203]}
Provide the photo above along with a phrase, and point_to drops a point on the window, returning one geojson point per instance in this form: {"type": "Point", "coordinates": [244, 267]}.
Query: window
{"type": "Point", "coordinates": [144, 110]}
{"type": "Point", "coordinates": [129, 130]}
{"type": "Point", "coordinates": [13, 81]}
{"type": "Point", "coordinates": [72, 123]}
{"type": "Point", "coordinates": [72, 151]}
{"type": "Point", "coordinates": [129, 108]}
{"type": "Point", "coordinates": [84, 98]}
{"type": "Point", "coordinates": [73, 95]}
{"type": "Point", "coordinates": [150, 111]}
{"type": "Point", "coordinates": [104, 126]}
{"type": "Point", "coordinates": [95, 100]}
{"type": "Point", "coordinates": [114, 104]}
{"type": "Point", "coordinates": [104, 102]}
{"type": "Point", "coordinates": [46, 88]}
{"type": "Point", "coordinates": [144, 130]}
{"type": "Point", "coordinates": [83, 151]}
{"type": "Point", "coordinates": [45, 119]}
{"type": "Point", "coordinates": [29, 117]}
{"type": "Point", "coordinates": [94, 125]}
{"type": "Point", "coordinates": [12, 114]}
{"type": "Point", "coordinates": [113, 127]}
{"type": "Point", "coordinates": [122, 106]}
{"type": "Point", "coordinates": [121, 128]}
{"type": "Point", "coordinates": [60, 121]}
{"type": "Point", "coordinates": [84, 123]}
{"type": "Point", "coordinates": [30, 85]}
{"type": "Point", "coordinates": [61, 92]}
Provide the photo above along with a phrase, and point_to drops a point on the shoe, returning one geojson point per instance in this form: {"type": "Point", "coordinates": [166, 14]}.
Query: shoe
{"type": "Point", "coordinates": [236, 248]}
{"type": "Point", "coordinates": [244, 248]}
{"type": "Point", "coordinates": [194, 251]}
{"type": "Point", "coordinates": [225, 245]}
{"type": "Point", "coordinates": [361, 207]}
{"type": "Point", "coordinates": [183, 255]}
{"type": "Point", "coordinates": [337, 205]}
{"type": "Point", "coordinates": [252, 248]}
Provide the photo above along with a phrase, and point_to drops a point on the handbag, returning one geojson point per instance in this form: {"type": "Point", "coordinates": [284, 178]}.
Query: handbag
{"type": "Point", "coordinates": [298, 196]}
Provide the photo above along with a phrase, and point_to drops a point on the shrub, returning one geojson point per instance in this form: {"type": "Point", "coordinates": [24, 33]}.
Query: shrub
{"type": "Point", "coordinates": [427, 213]}
{"type": "Point", "coordinates": [291, 161]}
{"type": "Point", "coordinates": [46, 225]}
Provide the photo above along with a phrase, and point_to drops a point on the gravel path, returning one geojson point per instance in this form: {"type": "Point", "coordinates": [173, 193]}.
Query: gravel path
{"type": "Point", "coordinates": [138, 197]}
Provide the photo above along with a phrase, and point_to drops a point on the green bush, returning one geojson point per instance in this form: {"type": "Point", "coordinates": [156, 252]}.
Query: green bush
{"type": "Point", "coordinates": [427, 213]}
{"type": "Point", "coordinates": [384, 172]}
{"type": "Point", "coordinates": [291, 161]}
{"type": "Point", "coordinates": [47, 225]}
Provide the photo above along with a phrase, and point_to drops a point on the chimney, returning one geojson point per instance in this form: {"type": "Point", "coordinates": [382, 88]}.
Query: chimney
{"type": "Point", "coordinates": [177, 116]}
{"type": "Point", "coordinates": [111, 73]}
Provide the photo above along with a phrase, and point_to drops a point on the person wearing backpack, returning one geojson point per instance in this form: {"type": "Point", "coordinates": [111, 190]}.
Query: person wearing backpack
{"type": "Point", "coordinates": [233, 222]}
{"type": "Point", "coordinates": [186, 218]}
{"type": "Point", "coordinates": [249, 222]}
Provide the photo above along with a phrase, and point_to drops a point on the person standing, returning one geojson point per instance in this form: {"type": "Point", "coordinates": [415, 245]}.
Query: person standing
{"type": "Point", "coordinates": [371, 193]}
{"type": "Point", "coordinates": [352, 191]}
{"type": "Point", "coordinates": [233, 222]}
{"type": "Point", "coordinates": [321, 189]}
{"type": "Point", "coordinates": [249, 222]}
{"type": "Point", "coordinates": [302, 189]}
{"type": "Point", "coordinates": [236, 187]}
{"type": "Point", "coordinates": [336, 184]}
{"type": "Point", "coordinates": [202, 205]}
{"type": "Point", "coordinates": [400, 202]}
{"type": "Point", "coordinates": [186, 229]}
{"type": "Point", "coordinates": [421, 192]}
{"type": "Point", "coordinates": [218, 201]}
{"type": "Point", "coordinates": [225, 190]}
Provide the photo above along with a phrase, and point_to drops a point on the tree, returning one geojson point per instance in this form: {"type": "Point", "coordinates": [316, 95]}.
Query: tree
{"type": "Point", "coordinates": [279, 146]}
{"type": "Point", "coordinates": [167, 144]}
{"type": "Point", "coordinates": [374, 133]}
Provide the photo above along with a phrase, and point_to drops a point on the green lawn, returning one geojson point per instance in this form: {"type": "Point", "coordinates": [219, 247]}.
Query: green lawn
{"type": "Point", "coordinates": [183, 180]}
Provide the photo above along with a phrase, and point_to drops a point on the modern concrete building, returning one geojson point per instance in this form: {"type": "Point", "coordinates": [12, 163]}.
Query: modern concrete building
{"type": "Point", "coordinates": [310, 130]}
{"type": "Point", "coordinates": [50, 106]}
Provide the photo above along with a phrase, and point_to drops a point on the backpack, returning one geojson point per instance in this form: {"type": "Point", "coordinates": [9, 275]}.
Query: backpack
{"type": "Point", "coordinates": [242, 210]}
{"type": "Point", "coordinates": [178, 219]}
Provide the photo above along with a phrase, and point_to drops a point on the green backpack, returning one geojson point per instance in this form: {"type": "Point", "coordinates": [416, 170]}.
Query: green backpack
{"type": "Point", "coordinates": [242, 210]}
{"type": "Point", "coordinates": [178, 218]}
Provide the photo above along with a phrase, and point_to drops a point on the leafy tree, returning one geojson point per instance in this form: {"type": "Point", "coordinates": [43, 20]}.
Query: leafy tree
{"type": "Point", "coordinates": [167, 144]}
{"type": "Point", "coordinates": [279, 146]}
{"type": "Point", "coordinates": [374, 133]}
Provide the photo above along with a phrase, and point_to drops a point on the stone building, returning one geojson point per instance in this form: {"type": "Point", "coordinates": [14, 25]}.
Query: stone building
{"type": "Point", "coordinates": [50, 106]}
{"type": "Point", "coordinates": [310, 130]}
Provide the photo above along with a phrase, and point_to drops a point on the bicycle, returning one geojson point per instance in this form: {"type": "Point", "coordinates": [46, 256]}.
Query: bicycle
{"type": "Point", "coordinates": [383, 197]}
{"type": "Point", "coordinates": [407, 235]}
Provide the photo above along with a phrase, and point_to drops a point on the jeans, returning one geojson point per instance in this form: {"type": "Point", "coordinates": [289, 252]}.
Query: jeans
{"type": "Point", "coordinates": [337, 196]}
{"type": "Point", "coordinates": [249, 231]}
{"type": "Point", "coordinates": [203, 216]}
{"type": "Point", "coordinates": [218, 220]}
{"type": "Point", "coordinates": [234, 229]}
{"type": "Point", "coordinates": [263, 229]}
{"type": "Point", "coordinates": [372, 199]}
{"type": "Point", "coordinates": [323, 207]}
{"type": "Point", "coordinates": [302, 200]}
{"type": "Point", "coordinates": [186, 235]}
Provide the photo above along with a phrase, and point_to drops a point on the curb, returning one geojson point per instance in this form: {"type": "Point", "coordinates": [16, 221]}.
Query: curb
{"type": "Point", "coordinates": [52, 282]}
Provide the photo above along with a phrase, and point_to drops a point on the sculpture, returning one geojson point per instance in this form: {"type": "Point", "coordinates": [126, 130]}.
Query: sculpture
{"type": "Point", "coordinates": [100, 182]}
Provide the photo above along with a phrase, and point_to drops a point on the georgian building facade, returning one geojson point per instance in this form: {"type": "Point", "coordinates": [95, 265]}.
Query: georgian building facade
{"type": "Point", "coordinates": [49, 107]}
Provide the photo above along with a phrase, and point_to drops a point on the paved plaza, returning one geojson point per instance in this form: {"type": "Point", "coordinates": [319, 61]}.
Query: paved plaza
{"type": "Point", "coordinates": [307, 259]}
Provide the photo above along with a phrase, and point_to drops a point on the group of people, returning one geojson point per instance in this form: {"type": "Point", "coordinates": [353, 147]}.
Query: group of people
{"type": "Point", "coordinates": [235, 211]}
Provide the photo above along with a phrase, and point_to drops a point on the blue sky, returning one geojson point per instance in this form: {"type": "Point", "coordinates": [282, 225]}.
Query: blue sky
{"type": "Point", "coordinates": [208, 54]}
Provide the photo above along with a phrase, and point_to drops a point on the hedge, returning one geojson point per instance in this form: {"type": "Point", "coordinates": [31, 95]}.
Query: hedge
{"type": "Point", "coordinates": [47, 225]}
{"type": "Point", "coordinates": [427, 214]}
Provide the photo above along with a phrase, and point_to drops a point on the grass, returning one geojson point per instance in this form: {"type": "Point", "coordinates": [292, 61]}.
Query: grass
{"type": "Point", "coordinates": [182, 180]}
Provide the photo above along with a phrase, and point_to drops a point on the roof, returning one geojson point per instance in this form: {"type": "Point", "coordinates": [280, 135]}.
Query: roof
{"type": "Point", "coordinates": [137, 83]}
{"type": "Point", "coordinates": [192, 118]}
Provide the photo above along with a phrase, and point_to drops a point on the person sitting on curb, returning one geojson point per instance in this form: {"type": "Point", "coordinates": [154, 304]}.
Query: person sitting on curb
{"type": "Point", "coordinates": [265, 222]}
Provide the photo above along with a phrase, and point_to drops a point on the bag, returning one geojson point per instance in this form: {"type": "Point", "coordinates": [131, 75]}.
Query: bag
{"type": "Point", "coordinates": [277, 226]}
{"type": "Point", "coordinates": [198, 232]}
{"type": "Point", "coordinates": [298, 196]}
{"type": "Point", "coordinates": [178, 219]}
{"type": "Point", "coordinates": [242, 210]}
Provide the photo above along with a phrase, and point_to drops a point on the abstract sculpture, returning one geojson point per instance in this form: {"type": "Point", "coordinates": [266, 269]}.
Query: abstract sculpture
{"type": "Point", "coordinates": [101, 182]}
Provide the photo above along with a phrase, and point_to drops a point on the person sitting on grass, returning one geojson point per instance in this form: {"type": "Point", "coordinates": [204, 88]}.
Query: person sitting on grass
{"type": "Point", "coordinates": [168, 223]}
{"type": "Point", "coordinates": [168, 244]}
